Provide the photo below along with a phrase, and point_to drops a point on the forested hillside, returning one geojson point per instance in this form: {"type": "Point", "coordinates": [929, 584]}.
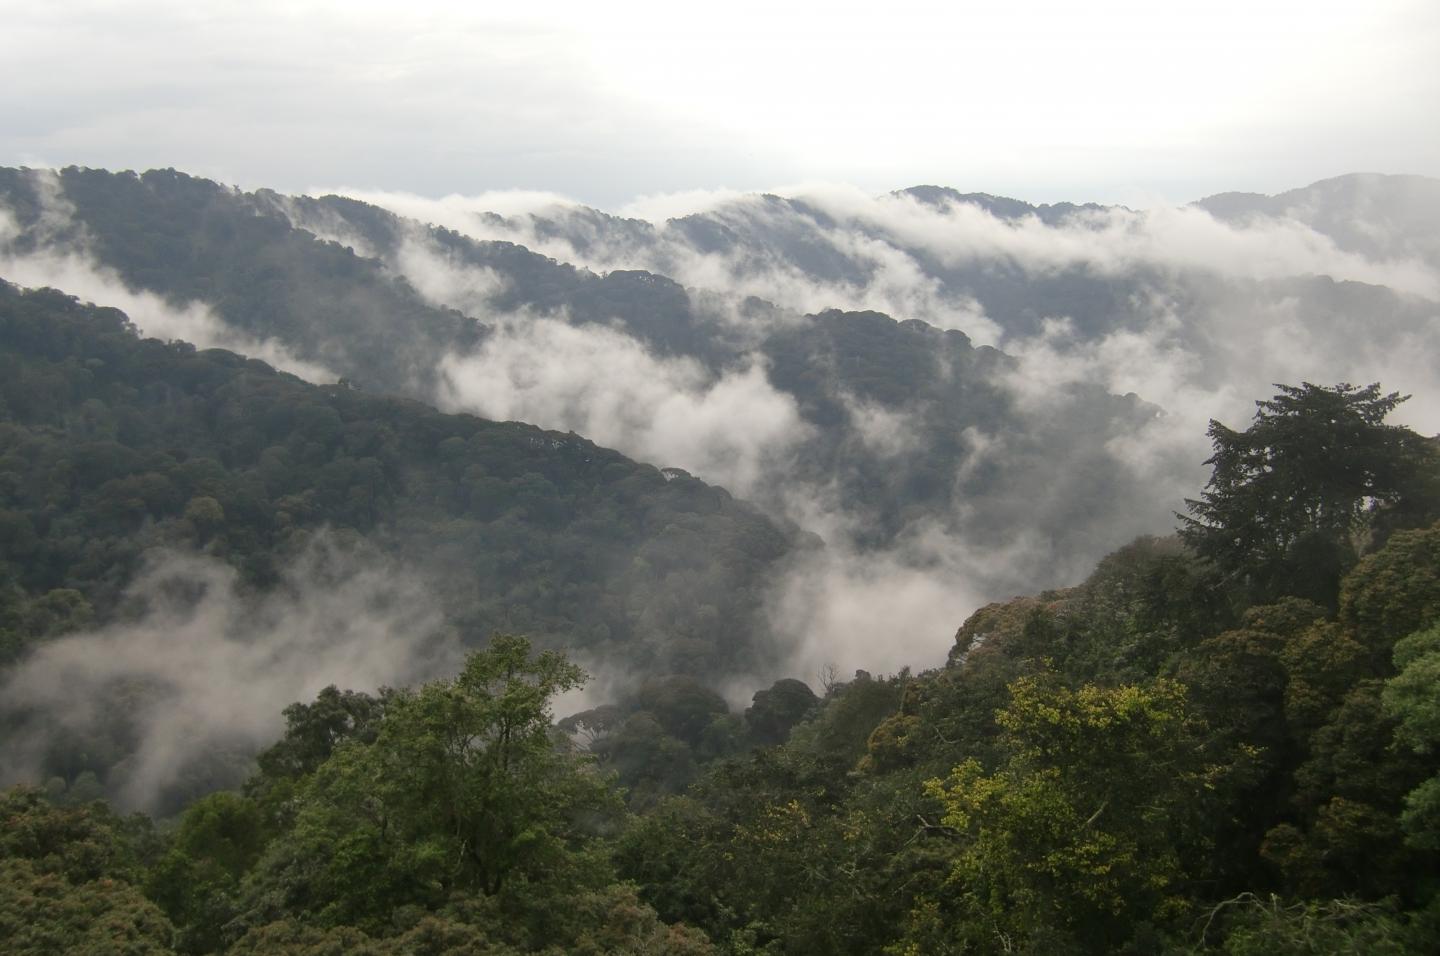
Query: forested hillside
{"type": "Point", "coordinates": [115, 450]}
{"type": "Point", "coordinates": [1180, 755]}
{"type": "Point", "coordinates": [331, 637]}
{"type": "Point", "coordinates": [895, 431]}
{"type": "Point", "coordinates": [797, 317]}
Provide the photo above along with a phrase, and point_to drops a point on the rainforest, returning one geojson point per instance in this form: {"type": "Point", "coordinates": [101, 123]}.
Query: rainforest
{"type": "Point", "coordinates": [307, 649]}
{"type": "Point", "coordinates": [747, 479]}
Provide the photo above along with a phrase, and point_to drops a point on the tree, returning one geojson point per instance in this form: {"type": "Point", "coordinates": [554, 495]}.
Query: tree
{"type": "Point", "coordinates": [1395, 591]}
{"type": "Point", "coordinates": [1288, 495]}
{"type": "Point", "coordinates": [313, 731]}
{"type": "Point", "coordinates": [1413, 698]}
{"type": "Point", "coordinates": [68, 881]}
{"type": "Point", "coordinates": [772, 713]}
{"type": "Point", "coordinates": [464, 790]}
{"type": "Point", "coordinates": [42, 913]}
{"type": "Point", "coordinates": [1083, 831]}
{"type": "Point", "coordinates": [219, 838]}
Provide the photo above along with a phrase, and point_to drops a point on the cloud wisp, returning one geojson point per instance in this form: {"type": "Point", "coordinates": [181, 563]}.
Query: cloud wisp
{"type": "Point", "coordinates": [193, 684]}
{"type": "Point", "coordinates": [1213, 313]}
{"type": "Point", "coordinates": [59, 257]}
{"type": "Point", "coordinates": [733, 428]}
{"type": "Point", "coordinates": [1192, 313]}
{"type": "Point", "coordinates": [830, 246]}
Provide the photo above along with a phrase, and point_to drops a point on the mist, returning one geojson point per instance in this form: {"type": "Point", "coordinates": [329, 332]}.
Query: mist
{"type": "Point", "coordinates": [1204, 315]}
{"type": "Point", "coordinates": [189, 684]}
{"type": "Point", "coordinates": [1215, 312]}
{"type": "Point", "coordinates": [1209, 319]}
{"type": "Point", "coordinates": [599, 382]}
{"type": "Point", "coordinates": [1193, 313]}
{"type": "Point", "coordinates": [59, 257]}
{"type": "Point", "coordinates": [832, 246]}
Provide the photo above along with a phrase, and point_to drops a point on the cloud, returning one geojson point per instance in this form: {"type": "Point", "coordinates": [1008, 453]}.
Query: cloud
{"type": "Point", "coordinates": [1213, 318]}
{"type": "Point", "coordinates": [61, 260]}
{"type": "Point", "coordinates": [883, 431]}
{"type": "Point", "coordinates": [602, 383]}
{"type": "Point", "coordinates": [899, 607]}
{"type": "Point", "coordinates": [206, 668]}
{"type": "Point", "coordinates": [321, 221]}
{"type": "Point", "coordinates": [443, 279]}
{"type": "Point", "coordinates": [872, 612]}
{"type": "Point", "coordinates": [878, 276]}
{"type": "Point", "coordinates": [1204, 314]}
{"type": "Point", "coordinates": [1199, 317]}
{"type": "Point", "coordinates": [473, 216]}
{"type": "Point", "coordinates": [830, 246]}
{"type": "Point", "coordinates": [1112, 241]}
{"type": "Point", "coordinates": [658, 207]}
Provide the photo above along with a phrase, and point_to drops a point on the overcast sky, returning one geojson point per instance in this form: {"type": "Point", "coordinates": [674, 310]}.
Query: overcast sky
{"type": "Point", "coordinates": [605, 101]}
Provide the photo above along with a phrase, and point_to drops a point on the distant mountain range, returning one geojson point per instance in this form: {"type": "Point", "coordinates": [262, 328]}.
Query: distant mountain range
{"type": "Point", "coordinates": [955, 381]}
{"type": "Point", "coordinates": [1368, 213]}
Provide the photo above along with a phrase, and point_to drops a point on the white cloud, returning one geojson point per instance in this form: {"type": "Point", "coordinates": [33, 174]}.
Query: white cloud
{"type": "Point", "coordinates": [69, 267]}
{"type": "Point", "coordinates": [874, 252]}
{"type": "Point", "coordinates": [884, 431]}
{"type": "Point", "coordinates": [605, 385]}
{"type": "Point", "coordinates": [444, 280]}
{"type": "Point", "coordinates": [613, 101]}
{"type": "Point", "coordinates": [208, 669]}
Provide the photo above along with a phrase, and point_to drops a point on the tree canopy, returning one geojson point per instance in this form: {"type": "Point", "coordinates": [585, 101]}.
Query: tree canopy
{"type": "Point", "coordinates": [1289, 494]}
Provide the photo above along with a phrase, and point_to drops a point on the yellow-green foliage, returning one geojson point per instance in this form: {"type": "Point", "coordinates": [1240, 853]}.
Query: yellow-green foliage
{"type": "Point", "coordinates": [1077, 834]}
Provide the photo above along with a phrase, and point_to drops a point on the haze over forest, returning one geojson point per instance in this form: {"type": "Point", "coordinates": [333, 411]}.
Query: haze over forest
{"type": "Point", "coordinates": [966, 397]}
{"type": "Point", "coordinates": [1015, 534]}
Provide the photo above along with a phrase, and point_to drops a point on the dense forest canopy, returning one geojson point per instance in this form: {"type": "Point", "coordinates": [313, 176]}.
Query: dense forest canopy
{"type": "Point", "coordinates": [381, 678]}
{"type": "Point", "coordinates": [121, 454]}
{"type": "Point", "coordinates": [908, 437]}
{"type": "Point", "coordinates": [1163, 759]}
{"type": "Point", "coordinates": [1289, 495]}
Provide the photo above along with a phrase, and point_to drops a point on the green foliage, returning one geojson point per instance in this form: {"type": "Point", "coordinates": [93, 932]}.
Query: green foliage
{"type": "Point", "coordinates": [772, 713]}
{"type": "Point", "coordinates": [608, 922]}
{"type": "Point", "coordinates": [67, 882]}
{"type": "Point", "coordinates": [518, 528]}
{"type": "Point", "coordinates": [1079, 835]}
{"type": "Point", "coordinates": [1098, 769]}
{"type": "Point", "coordinates": [463, 790]}
{"type": "Point", "coordinates": [1412, 698]}
{"type": "Point", "coordinates": [512, 527]}
{"type": "Point", "coordinates": [1288, 494]}
{"type": "Point", "coordinates": [219, 839]}
{"type": "Point", "coordinates": [81, 843]}
{"type": "Point", "coordinates": [431, 936]}
{"type": "Point", "coordinates": [42, 913]}
{"type": "Point", "coordinates": [1394, 591]}
{"type": "Point", "coordinates": [780, 852]}
{"type": "Point", "coordinates": [851, 712]}
{"type": "Point", "coordinates": [683, 706]}
{"type": "Point", "coordinates": [313, 731]}
{"type": "Point", "coordinates": [1261, 927]}
{"type": "Point", "coordinates": [617, 923]}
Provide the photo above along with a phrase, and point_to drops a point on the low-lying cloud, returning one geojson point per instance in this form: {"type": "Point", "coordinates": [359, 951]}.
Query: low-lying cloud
{"type": "Point", "coordinates": [1199, 316]}
{"type": "Point", "coordinates": [898, 607]}
{"type": "Point", "coordinates": [193, 683]}
{"type": "Point", "coordinates": [1210, 323]}
{"type": "Point", "coordinates": [69, 266]}
{"type": "Point", "coordinates": [732, 428]}
{"type": "Point", "coordinates": [829, 246]}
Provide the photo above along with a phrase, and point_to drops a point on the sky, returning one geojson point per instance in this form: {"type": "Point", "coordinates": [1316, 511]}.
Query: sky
{"type": "Point", "coordinates": [1046, 100]}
